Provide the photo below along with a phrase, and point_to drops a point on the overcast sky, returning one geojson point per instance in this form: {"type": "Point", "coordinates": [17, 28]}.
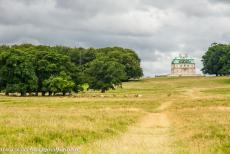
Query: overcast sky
{"type": "Point", "coordinates": [157, 30]}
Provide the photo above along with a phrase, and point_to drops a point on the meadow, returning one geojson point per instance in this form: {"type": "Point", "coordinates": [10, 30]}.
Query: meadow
{"type": "Point", "coordinates": [154, 115]}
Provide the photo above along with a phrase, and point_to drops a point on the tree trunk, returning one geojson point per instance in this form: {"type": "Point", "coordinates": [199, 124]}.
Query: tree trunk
{"type": "Point", "coordinates": [103, 91]}
{"type": "Point", "coordinates": [7, 94]}
{"type": "Point", "coordinates": [50, 93]}
{"type": "Point", "coordinates": [23, 94]}
{"type": "Point", "coordinates": [36, 93]}
{"type": "Point", "coordinates": [43, 93]}
{"type": "Point", "coordinates": [64, 93]}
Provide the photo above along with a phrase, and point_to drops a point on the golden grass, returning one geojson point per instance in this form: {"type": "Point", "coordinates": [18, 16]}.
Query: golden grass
{"type": "Point", "coordinates": [201, 118]}
{"type": "Point", "coordinates": [161, 115]}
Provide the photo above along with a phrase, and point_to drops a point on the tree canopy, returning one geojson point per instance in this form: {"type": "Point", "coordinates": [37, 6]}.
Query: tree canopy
{"type": "Point", "coordinates": [28, 68]}
{"type": "Point", "coordinates": [217, 60]}
{"type": "Point", "coordinates": [104, 74]}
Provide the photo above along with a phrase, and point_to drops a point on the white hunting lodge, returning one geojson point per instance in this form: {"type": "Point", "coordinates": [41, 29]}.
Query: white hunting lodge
{"type": "Point", "coordinates": [183, 66]}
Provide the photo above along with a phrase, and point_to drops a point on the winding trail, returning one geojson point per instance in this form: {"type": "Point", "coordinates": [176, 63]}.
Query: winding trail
{"type": "Point", "coordinates": [152, 134]}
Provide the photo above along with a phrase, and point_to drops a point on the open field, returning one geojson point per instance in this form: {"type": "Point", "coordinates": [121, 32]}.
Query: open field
{"type": "Point", "coordinates": [161, 115]}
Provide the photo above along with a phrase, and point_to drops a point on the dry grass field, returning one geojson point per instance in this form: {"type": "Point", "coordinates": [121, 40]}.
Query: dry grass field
{"type": "Point", "coordinates": [159, 115]}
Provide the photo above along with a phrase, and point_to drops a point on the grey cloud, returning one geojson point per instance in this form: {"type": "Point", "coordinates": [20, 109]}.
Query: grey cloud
{"type": "Point", "coordinates": [194, 8]}
{"type": "Point", "coordinates": [220, 1]}
{"type": "Point", "coordinates": [158, 30]}
{"type": "Point", "coordinates": [92, 8]}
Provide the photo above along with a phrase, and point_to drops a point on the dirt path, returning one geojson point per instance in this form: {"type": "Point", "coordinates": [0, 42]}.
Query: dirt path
{"type": "Point", "coordinates": [150, 135]}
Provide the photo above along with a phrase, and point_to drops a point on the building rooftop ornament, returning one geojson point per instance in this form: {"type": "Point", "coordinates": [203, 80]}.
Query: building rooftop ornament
{"type": "Point", "coordinates": [183, 60]}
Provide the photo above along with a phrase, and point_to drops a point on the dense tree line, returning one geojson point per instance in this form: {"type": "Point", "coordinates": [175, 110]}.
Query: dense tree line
{"type": "Point", "coordinates": [49, 70]}
{"type": "Point", "coordinates": [217, 60]}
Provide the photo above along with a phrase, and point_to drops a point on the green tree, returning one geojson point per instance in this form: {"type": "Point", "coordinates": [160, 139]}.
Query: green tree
{"type": "Point", "coordinates": [216, 60]}
{"type": "Point", "coordinates": [60, 83]}
{"type": "Point", "coordinates": [17, 72]}
{"type": "Point", "coordinates": [50, 63]}
{"type": "Point", "coordinates": [126, 57]}
{"type": "Point", "coordinates": [28, 68]}
{"type": "Point", "coordinates": [104, 74]}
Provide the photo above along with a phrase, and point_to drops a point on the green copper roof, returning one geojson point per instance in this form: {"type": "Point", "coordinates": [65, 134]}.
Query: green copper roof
{"type": "Point", "coordinates": [183, 60]}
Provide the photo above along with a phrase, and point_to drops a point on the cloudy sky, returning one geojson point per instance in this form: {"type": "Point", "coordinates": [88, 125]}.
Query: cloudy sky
{"type": "Point", "coordinates": [157, 29]}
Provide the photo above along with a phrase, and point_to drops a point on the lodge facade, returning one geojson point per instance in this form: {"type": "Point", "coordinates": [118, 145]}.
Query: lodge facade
{"type": "Point", "coordinates": [183, 66]}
